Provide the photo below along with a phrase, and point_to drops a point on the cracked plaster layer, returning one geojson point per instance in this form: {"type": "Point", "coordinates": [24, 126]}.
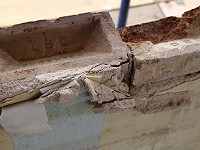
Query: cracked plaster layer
{"type": "Point", "coordinates": [112, 77]}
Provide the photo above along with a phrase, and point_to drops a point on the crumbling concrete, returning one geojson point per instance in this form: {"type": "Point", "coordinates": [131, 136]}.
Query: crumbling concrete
{"type": "Point", "coordinates": [66, 84]}
{"type": "Point", "coordinates": [118, 77]}
{"type": "Point", "coordinates": [85, 44]}
{"type": "Point", "coordinates": [40, 47]}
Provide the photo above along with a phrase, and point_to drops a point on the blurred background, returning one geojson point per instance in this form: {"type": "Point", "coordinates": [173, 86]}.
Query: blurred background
{"type": "Point", "coordinates": [18, 11]}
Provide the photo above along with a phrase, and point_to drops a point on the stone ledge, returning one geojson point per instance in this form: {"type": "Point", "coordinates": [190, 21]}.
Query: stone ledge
{"type": "Point", "coordinates": [34, 48]}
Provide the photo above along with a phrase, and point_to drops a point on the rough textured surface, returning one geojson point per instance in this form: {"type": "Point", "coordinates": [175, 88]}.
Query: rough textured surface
{"type": "Point", "coordinates": [166, 60]}
{"type": "Point", "coordinates": [13, 88]}
{"type": "Point", "coordinates": [113, 86]}
{"type": "Point", "coordinates": [154, 87]}
{"type": "Point", "coordinates": [40, 47]}
{"type": "Point", "coordinates": [68, 44]}
{"type": "Point", "coordinates": [166, 55]}
{"type": "Point", "coordinates": [64, 35]}
{"type": "Point", "coordinates": [167, 29]}
{"type": "Point", "coordinates": [147, 69]}
{"type": "Point", "coordinates": [163, 102]}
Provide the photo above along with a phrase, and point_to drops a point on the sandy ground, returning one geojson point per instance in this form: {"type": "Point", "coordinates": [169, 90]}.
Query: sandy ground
{"type": "Point", "coordinates": [18, 11]}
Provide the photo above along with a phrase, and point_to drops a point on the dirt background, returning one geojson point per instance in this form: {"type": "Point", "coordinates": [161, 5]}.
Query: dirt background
{"type": "Point", "coordinates": [14, 12]}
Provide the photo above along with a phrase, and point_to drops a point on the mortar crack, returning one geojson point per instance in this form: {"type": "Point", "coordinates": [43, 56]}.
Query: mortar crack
{"type": "Point", "coordinates": [121, 63]}
{"type": "Point", "coordinates": [94, 67]}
